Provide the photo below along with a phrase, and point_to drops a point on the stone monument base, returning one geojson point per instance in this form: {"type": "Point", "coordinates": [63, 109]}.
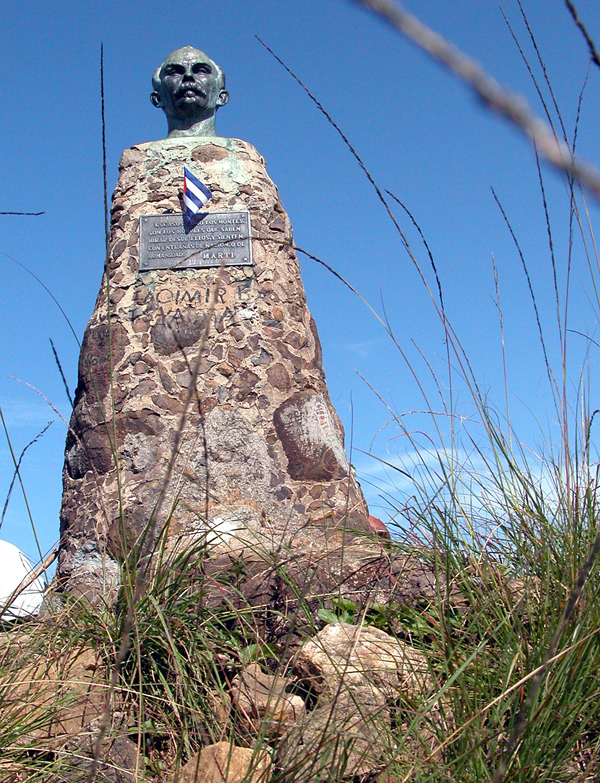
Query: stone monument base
{"type": "Point", "coordinates": [261, 447]}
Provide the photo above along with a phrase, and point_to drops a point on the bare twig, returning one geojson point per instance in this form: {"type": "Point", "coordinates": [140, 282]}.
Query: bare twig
{"type": "Point", "coordinates": [588, 39]}
{"type": "Point", "coordinates": [141, 576]}
{"type": "Point", "coordinates": [450, 335]}
{"type": "Point", "coordinates": [510, 105]}
{"type": "Point", "coordinates": [542, 63]}
{"type": "Point", "coordinates": [47, 290]}
{"type": "Point", "coordinates": [62, 375]}
{"type": "Point", "coordinates": [73, 432]}
{"type": "Point", "coordinates": [587, 337]}
{"type": "Point", "coordinates": [125, 637]}
{"type": "Point", "coordinates": [103, 143]}
{"type": "Point", "coordinates": [349, 145]}
{"type": "Point", "coordinates": [529, 285]}
{"type": "Point", "coordinates": [35, 214]}
{"type": "Point", "coordinates": [18, 465]}
{"type": "Point", "coordinates": [18, 472]}
{"type": "Point", "coordinates": [425, 243]}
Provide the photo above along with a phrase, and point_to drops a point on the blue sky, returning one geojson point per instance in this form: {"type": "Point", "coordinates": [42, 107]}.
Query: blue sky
{"type": "Point", "coordinates": [421, 134]}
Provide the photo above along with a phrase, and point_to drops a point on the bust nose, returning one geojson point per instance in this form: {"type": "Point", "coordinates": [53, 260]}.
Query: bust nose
{"type": "Point", "coordinates": [188, 75]}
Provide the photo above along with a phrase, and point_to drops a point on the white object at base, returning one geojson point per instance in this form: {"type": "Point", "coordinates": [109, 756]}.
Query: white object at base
{"type": "Point", "coordinates": [14, 568]}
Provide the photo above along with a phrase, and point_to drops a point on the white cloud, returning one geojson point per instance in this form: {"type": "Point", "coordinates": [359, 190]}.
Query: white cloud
{"type": "Point", "coordinates": [360, 348]}
{"type": "Point", "coordinates": [476, 492]}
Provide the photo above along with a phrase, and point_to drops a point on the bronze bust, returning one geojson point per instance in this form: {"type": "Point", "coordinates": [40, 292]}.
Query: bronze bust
{"type": "Point", "coordinates": [189, 87]}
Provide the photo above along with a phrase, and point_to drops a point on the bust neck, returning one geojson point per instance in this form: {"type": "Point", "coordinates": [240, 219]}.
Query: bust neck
{"type": "Point", "coordinates": [179, 127]}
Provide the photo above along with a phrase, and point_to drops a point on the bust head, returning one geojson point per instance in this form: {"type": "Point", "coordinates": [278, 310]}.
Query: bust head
{"type": "Point", "coordinates": [189, 87]}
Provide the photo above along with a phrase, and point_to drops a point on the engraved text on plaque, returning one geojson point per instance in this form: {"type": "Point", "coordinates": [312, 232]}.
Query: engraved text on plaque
{"type": "Point", "coordinates": [166, 242]}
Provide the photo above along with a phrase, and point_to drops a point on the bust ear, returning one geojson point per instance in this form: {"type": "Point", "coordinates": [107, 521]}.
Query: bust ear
{"type": "Point", "coordinates": [223, 98]}
{"type": "Point", "coordinates": [155, 98]}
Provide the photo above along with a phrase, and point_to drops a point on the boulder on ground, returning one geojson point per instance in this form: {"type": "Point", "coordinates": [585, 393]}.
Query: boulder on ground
{"type": "Point", "coordinates": [344, 657]}
{"type": "Point", "coordinates": [360, 675]}
{"type": "Point", "coordinates": [55, 700]}
{"type": "Point", "coordinates": [225, 763]}
{"type": "Point", "coordinates": [345, 738]}
{"type": "Point", "coordinates": [263, 703]}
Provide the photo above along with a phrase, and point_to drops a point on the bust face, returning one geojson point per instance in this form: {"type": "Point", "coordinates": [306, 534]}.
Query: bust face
{"type": "Point", "coordinates": [190, 86]}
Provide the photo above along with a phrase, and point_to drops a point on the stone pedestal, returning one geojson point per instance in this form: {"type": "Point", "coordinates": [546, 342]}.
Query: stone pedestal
{"type": "Point", "coordinates": [262, 449]}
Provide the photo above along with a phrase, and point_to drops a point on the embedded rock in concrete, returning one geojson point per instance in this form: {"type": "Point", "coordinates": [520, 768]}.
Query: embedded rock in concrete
{"type": "Point", "coordinates": [305, 426]}
{"type": "Point", "coordinates": [262, 449]}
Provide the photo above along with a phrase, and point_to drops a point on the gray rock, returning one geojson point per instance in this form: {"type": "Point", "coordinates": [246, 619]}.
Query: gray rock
{"type": "Point", "coordinates": [343, 739]}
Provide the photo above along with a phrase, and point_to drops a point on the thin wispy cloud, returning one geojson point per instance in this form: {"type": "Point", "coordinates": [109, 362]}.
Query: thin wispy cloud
{"type": "Point", "coordinates": [465, 482]}
{"type": "Point", "coordinates": [362, 348]}
{"type": "Point", "coordinates": [25, 413]}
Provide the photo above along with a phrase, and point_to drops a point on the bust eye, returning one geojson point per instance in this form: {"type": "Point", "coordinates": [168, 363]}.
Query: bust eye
{"type": "Point", "coordinates": [201, 68]}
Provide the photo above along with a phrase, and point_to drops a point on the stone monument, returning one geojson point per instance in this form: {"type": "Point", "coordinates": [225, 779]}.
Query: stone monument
{"type": "Point", "coordinates": [260, 452]}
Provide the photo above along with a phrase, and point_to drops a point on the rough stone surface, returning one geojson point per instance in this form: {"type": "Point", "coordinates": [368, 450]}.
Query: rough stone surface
{"type": "Point", "coordinates": [263, 703]}
{"type": "Point", "coordinates": [219, 704]}
{"type": "Point", "coordinates": [359, 676]}
{"type": "Point", "coordinates": [262, 448]}
{"type": "Point", "coordinates": [347, 736]}
{"type": "Point", "coordinates": [288, 586]}
{"type": "Point", "coordinates": [120, 760]}
{"type": "Point", "coordinates": [225, 763]}
{"type": "Point", "coordinates": [54, 701]}
{"type": "Point", "coordinates": [58, 704]}
{"type": "Point", "coordinates": [344, 657]}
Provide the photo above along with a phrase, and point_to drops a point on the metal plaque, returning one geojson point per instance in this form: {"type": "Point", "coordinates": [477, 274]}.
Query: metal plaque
{"type": "Point", "coordinates": [170, 242]}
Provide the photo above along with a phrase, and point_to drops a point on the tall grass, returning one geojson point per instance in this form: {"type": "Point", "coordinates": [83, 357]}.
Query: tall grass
{"type": "Point", "coordinates": [512, 582]}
